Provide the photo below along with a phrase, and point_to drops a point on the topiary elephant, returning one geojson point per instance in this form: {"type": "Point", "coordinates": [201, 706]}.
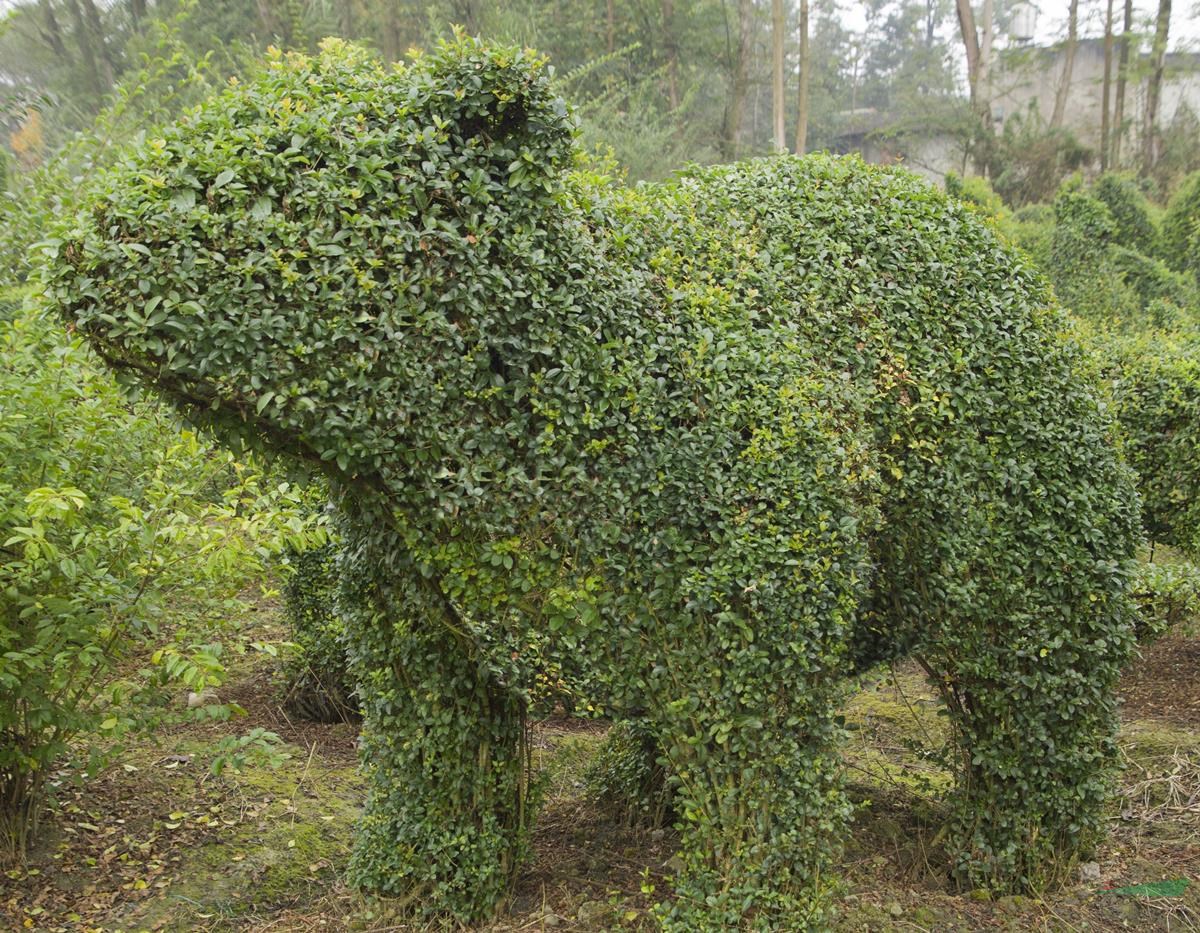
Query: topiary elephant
{"type": "Point", "coordinates": [719, 442]}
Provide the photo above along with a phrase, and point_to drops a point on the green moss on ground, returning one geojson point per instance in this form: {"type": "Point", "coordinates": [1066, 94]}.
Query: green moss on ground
{"type": "Point", "coordinates": [289, 845]}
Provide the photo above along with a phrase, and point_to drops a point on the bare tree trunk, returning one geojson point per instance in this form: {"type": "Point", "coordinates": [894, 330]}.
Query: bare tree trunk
{"type": "Point", "coordinates": [805, 74]}
{"type": "Point", "coordinates": [985, 57]}
{"type": "Point", "coordinates": [266, 19]}
{"type": "Point", "coordinates": [1064, 84]}
{"type": "Point", "coordinates": [96, 28]}
{"type": "Point", "coordinates": [392, 40]}
{"type": "Point", "coordinates": [735, 110]}
{"type": "Point", "coordinates": [1118, 129]}
{"type": "Point", "coordinates": [466, 14]}
{"type": "Point", "coordinates": [978, 75]}
{"type": "Point", "coordinates": [777, 28]}
{"type": "Point", "coordinates": [86, 50]}
{"type": "Point", "coordinates": [346, 19]}
{"type": "Point", "coordinates": [137, 12]}
{"type": "Point", "coordinates": [1153, 93]}
{"type": "Point", "coordinates": [50, 31]}
{"type": "Point", "coordinates": [1106, 92]}
{"type": "Point", "coordinates": [668, 23]}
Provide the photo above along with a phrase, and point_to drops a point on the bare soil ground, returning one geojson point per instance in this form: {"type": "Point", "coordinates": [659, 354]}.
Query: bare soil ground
{"type": "Point", "coordinates": [159, 843]}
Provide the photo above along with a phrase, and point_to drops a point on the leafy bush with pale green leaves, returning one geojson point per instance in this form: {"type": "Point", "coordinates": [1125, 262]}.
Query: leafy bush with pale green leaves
{"type": "Point", "coordinates": [1168, 595]}
{"type": "Point", "coordinates": [107, 523]}
{"type": "Point", "coordinates": [717, 443]}
{"type": "Point", "coordinates": [976, 190]}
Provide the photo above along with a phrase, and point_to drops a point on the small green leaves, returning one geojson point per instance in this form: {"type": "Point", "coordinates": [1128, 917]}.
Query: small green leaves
{"type": "Point", "coordinates": [261, 209]}
{"type": "Point", "coordinates": [702, 449]}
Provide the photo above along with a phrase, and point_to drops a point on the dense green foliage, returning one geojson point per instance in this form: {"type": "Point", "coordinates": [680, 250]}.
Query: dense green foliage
{"type": "Point", "coordinates": [1168, 596]}
{"type": "Point", "coordinates": [318, 684]}
{"type": "Point", "coordinates": [719, 442]}
{"type": "Point", "coordinates": [1132, 225]}
{"type": "Point", "coordinates": [112, 518]}
{"type": "Point", "coordinates": [1155, 379]}
{"type": "Point", "coordinates": [1181, 228]}
{"type": "Point", "coordinates": [1096, 276]}
{"type": "Point", "coordinates": [628, 779]}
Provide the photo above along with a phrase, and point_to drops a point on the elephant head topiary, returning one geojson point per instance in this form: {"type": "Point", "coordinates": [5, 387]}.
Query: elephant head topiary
{"type": "Point", "coordinates": [720, 442]}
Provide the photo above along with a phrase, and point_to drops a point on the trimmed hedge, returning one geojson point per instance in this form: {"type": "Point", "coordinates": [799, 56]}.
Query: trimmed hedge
{"type": "Point", "coordinates": [716, 443]}
{"type": "Point", "coordinates": [1133, 227]}
{"type": "Point", "coordinates": [1104, 282]}
{"type": "Point", "coordinates": [1155, 383]}
{"type": "Point", "coordinates": [1181, 228]}
{"type": "Point", "coordinates": [318, 685]}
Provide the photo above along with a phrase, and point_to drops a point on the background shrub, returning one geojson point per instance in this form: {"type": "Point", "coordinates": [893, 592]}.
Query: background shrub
{"type": "Point", "coordinates": [1155, 380]}
{"type": "Point", "coordinates": [1133, 226]}
{"type": "Point", "coordinates": [318, 685]}
{"type": "Point", "coordinates": [1179, 228]}
{"type": "Point", "coordinates": [111, 523]}
{"type": "Point", "coordinates": [1168, 596]}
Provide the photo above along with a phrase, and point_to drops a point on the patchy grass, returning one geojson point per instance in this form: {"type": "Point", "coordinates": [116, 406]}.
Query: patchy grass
{"type": "Point", "coordinates": [159, 843]}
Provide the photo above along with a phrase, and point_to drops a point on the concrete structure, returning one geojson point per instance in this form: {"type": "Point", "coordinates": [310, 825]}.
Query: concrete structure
{"type": "Point", "coordinates": [1027, 80]}
{"type": "Point", "coordinates": [1024, 84]}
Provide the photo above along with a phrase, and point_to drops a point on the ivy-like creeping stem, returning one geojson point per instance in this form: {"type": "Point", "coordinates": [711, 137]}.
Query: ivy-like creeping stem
{"type": "Point", "coordinates": [718, 442]}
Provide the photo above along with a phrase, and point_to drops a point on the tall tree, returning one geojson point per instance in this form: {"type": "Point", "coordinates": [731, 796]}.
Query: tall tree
{"type": "Point", "coordinates": [1118, 127]}
{"type": "Point", "coordinates": [805, 77]}
{"type": "Point", "coordinates": [50, 31]}
{"type": "Point", "coordinates": [672, 48]}
{"type": "Point", "coordinates": [738, 53]}
{"type": "Point", "coordinates": [1106, 90]}
{"type": "Point", "coordinates": [778, 25]}
{"type": "Point", "coordinates": [1158, 57]}
{"type": "Point", "coordinates": [979, 54]}
{"type": "Point", "coordinates": [87, 48]}
{"type": "Point", "coordinates": [1064, 84]}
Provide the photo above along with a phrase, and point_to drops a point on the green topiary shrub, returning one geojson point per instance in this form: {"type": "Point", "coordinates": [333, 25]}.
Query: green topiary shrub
{"type": "Point", "coordinates": [1181, 228]}
{"type": "Point", "coordinates": [1150, 281]}
{"type": "Point", "coordinates": [1155, 380]}
{"type": "Point", "coordinates": [975, 190]}
{"type": "Point", "coordinates": [318, 685]}
{"type": "Point", "coordinates": [1133, 227]}
{"type": "Point", "coordinates": [718, 442]}
{"type": "Point", "coordinates": [1080, 260]}
{"type": "Point", "coordinates": [628, 779]}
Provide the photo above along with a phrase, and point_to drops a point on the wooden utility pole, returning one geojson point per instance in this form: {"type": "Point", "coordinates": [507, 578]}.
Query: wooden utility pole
{"type": "Point", "coordinates": [777, 28]}
{"type": "Point", "coordinates": [1106, 92]}
{"type": "Point", "coordinates": [805, 74]}
{"type": "Point", "coordinates": [1064, 84]}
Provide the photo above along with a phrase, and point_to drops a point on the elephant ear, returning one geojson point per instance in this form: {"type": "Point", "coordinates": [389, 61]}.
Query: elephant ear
{"type": "Point", "coordinates": [498, 102]}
